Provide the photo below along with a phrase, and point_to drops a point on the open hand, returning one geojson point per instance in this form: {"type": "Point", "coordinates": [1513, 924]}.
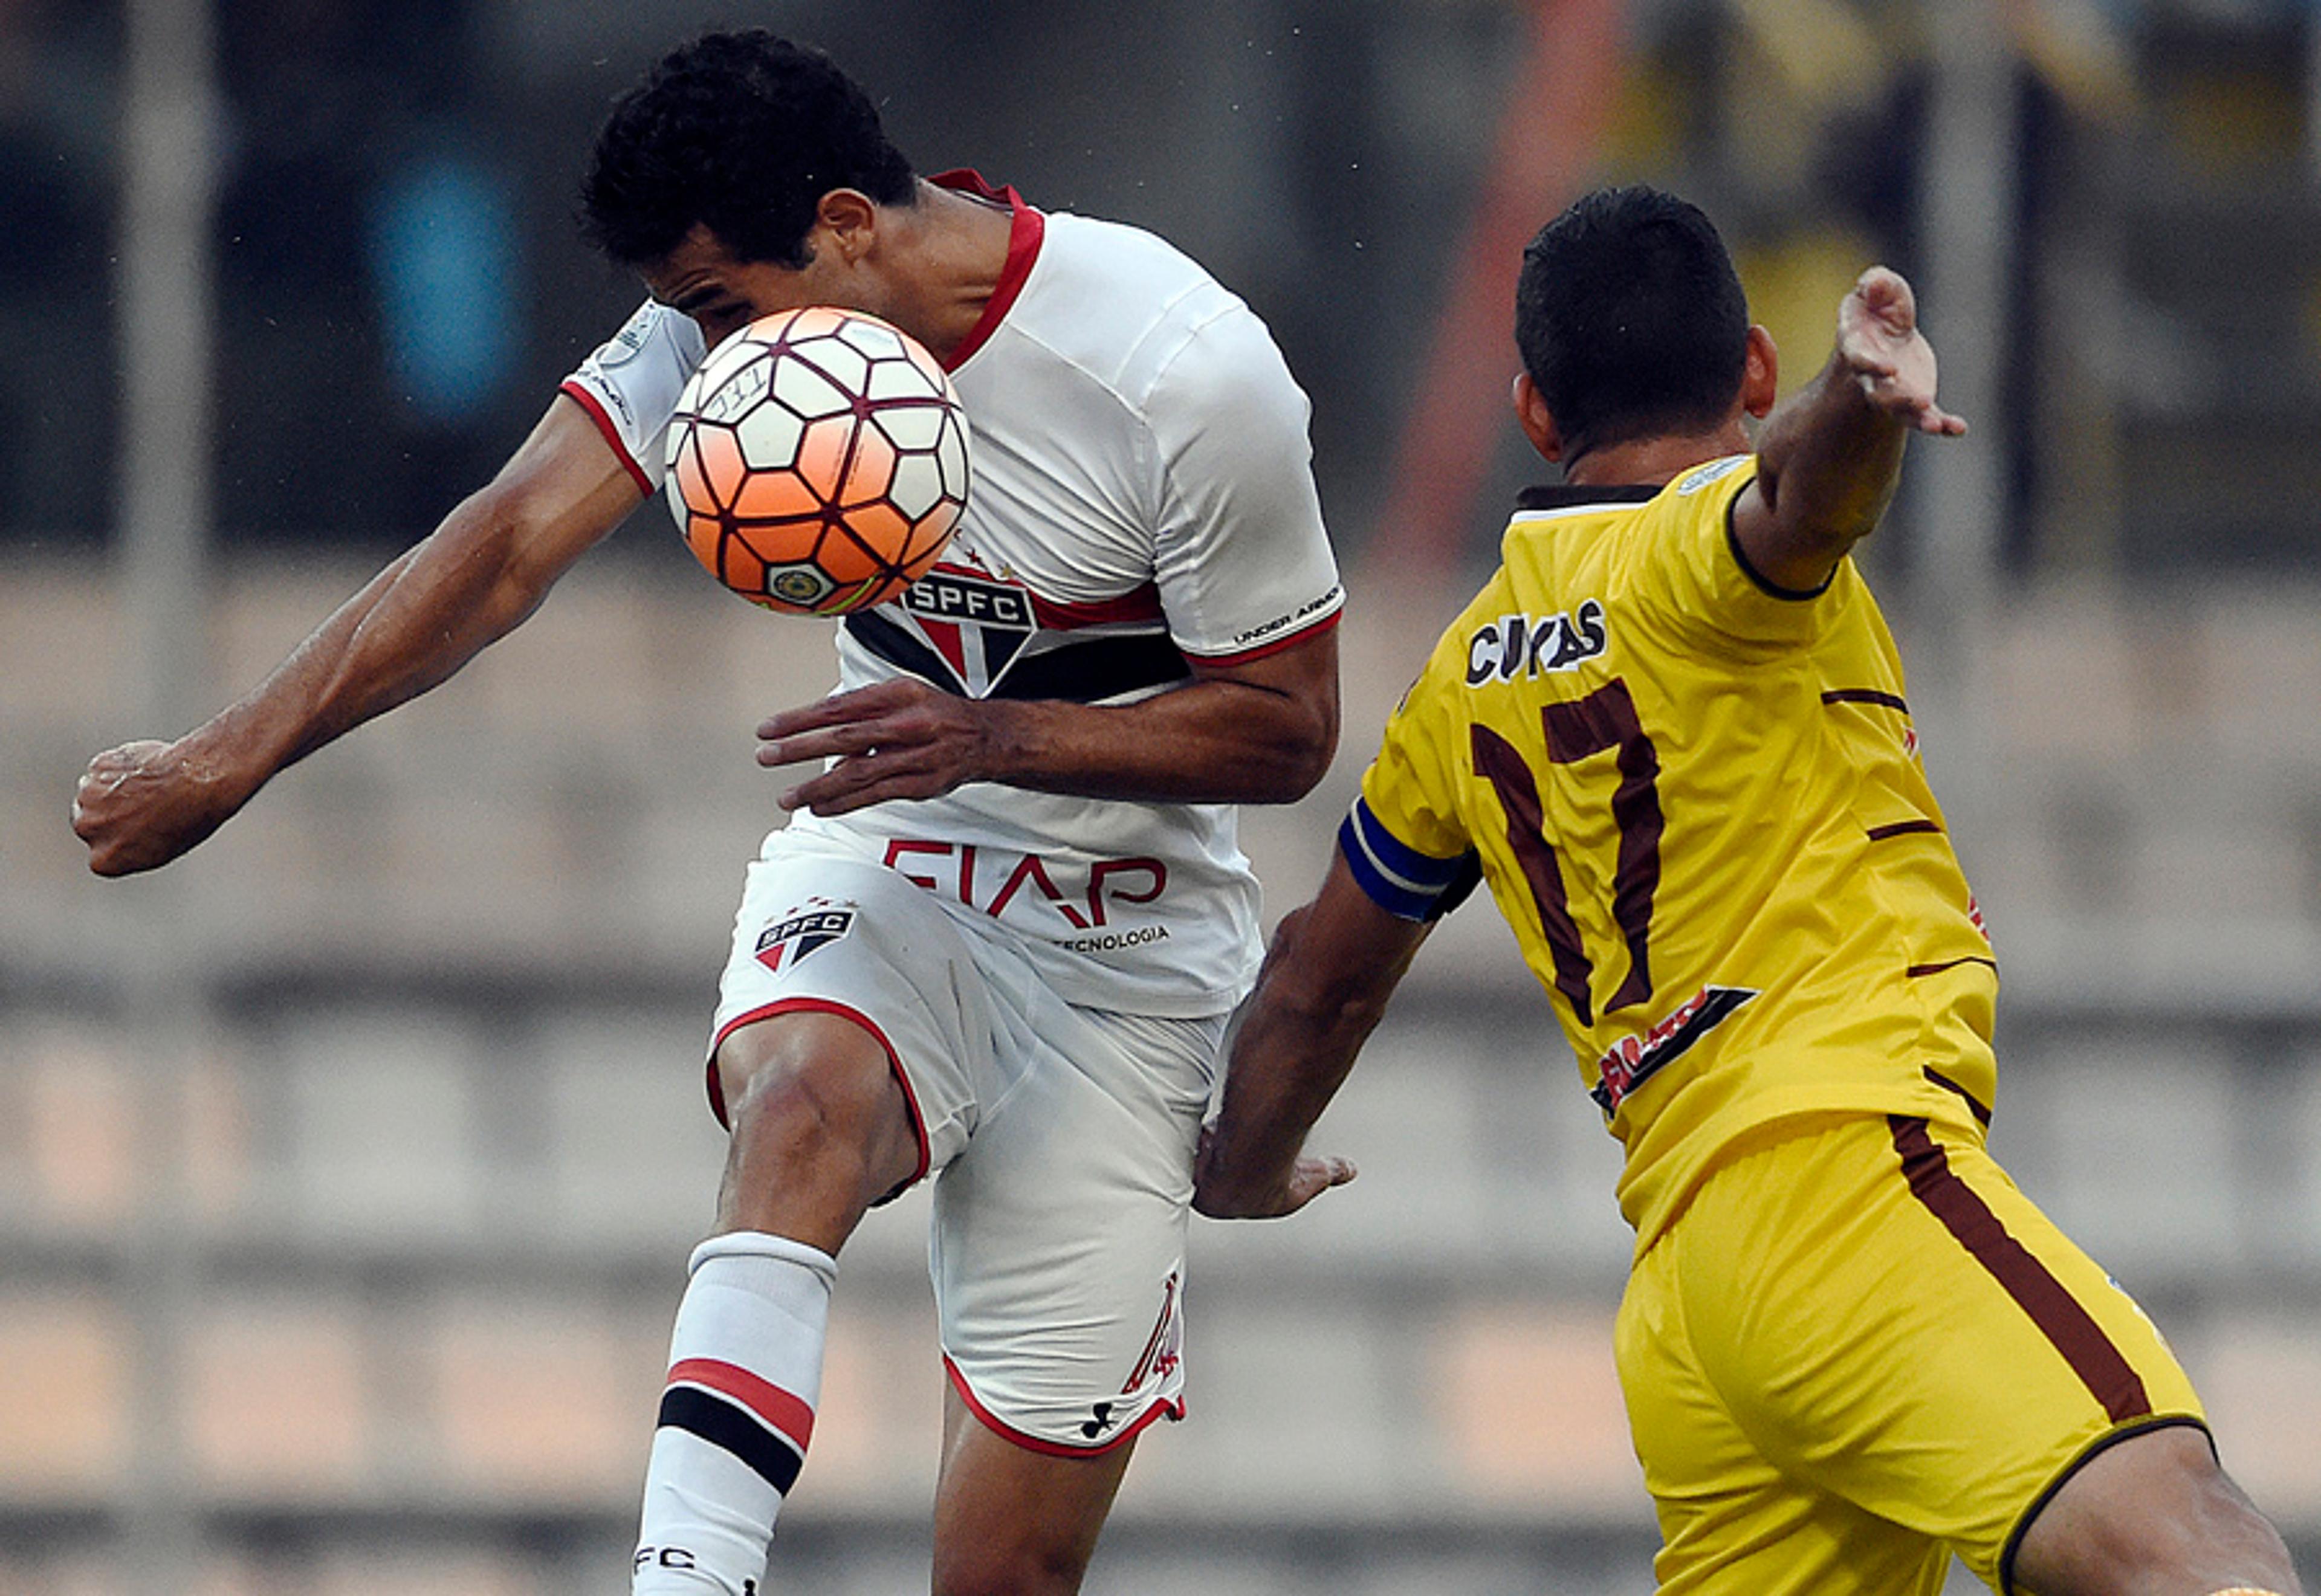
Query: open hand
{"type": "Point", "coordinates": [1222, 1196]}
{"type": "Point", "coordinates": [141, 805]}
{"type": "Point", "coordinates": [1878, 339]}
{"type": "Point", "coordinates": [898, 738]}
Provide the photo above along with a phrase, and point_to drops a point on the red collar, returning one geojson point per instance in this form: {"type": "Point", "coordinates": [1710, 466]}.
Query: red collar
{"type": "Point", "coordinates": [1026, 228]}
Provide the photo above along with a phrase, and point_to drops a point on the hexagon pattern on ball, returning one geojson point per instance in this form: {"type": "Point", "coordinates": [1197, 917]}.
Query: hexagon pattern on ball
{"type": "Point", "coordinates": [818, 461]}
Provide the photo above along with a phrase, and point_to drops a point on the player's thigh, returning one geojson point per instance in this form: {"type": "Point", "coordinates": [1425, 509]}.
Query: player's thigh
{"type": "Point", "coordinates": [835, 937]}
{"type": "Point", "coordinates": [1010, 1519]}
{"type": "Point", "coordinates": [2154, 1509]}
{"type": "Point", "coordinates": [1731, 1523]}
{"type": "Point", "coordinates": [1058, 1241]}
{"type": "Point", "coordinates": [1892, 1323]}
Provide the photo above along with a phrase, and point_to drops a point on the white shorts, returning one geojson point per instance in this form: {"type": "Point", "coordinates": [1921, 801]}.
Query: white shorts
{"type": "Point", "coordinates": [1061, 1138]}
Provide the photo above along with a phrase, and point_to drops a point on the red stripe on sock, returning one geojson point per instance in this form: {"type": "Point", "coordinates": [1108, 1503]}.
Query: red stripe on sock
{"type": "Point", "coordinates": [781, 1411]}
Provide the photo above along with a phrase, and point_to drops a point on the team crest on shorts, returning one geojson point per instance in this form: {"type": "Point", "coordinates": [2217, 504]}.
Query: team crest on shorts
{"type": "Point", "coordinates": [806, 930]}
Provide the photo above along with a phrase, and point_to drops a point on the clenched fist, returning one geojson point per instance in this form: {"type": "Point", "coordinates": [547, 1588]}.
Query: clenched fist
{"type": "Point", "coordinates": [143, 803]}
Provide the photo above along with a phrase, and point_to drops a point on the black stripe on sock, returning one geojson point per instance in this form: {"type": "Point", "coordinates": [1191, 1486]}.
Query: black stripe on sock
{"type": "Point", "coordinates": [721, 1423]}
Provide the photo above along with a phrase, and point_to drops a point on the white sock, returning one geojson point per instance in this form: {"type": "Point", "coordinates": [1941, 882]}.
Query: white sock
{"type": "Point", "coordinates": [745, 1375]}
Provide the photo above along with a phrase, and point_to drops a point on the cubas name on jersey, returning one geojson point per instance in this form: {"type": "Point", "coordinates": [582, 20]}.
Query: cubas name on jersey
{"type": "Point", "coordinates": [1525, 645]}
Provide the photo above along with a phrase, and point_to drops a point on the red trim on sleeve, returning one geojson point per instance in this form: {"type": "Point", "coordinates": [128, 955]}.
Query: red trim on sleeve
{"type": "Point", "coordinates": [807, 1005]}
{"type": "Point", "coordinates": [1141, 603]}
{"type": "Point", "coordinates": [1027, 228]}
{"type": "Point", "coordinates": [1161, 1407]}
{"type": "Point", "coordinates": [1246, 654]}
{"type": "Point", "coordinates": [599, 414]}
{"type": "Point", "coordinates": [782, 1409]}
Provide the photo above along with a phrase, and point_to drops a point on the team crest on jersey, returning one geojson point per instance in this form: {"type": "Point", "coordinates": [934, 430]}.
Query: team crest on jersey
{"type": "Point", "coordinates": [1530, 646]}
{"type": "Point", "coordinates": [977, 623]}
{"type": "Point", "coordinates": [801, 932]}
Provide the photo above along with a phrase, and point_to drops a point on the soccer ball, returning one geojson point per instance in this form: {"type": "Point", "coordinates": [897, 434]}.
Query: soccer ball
{"type": "Point", "coordinates": [817, 462]}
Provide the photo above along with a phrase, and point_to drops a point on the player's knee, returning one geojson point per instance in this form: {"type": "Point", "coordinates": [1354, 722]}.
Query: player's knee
{"type": "Point", "coordinates": [1011, 1571]}
{"type": "Point", "coordinates": [806, 1110]}
{"type": "Point", "coordinates": [815, 1099]}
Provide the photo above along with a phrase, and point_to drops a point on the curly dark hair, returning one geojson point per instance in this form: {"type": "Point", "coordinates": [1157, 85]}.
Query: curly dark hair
{"type": "Point", "coordinates": [1631, 319]}
{"type": "Point", "coordinates": [742, 133]}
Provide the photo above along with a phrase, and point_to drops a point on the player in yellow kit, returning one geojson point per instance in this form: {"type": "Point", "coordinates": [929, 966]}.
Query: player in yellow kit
{"type": "Point", "coordinates": [1671, 734]}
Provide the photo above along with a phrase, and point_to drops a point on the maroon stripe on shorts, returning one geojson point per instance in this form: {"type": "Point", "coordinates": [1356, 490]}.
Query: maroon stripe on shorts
{"type": "Point", "coordinates": [2057, 1313]}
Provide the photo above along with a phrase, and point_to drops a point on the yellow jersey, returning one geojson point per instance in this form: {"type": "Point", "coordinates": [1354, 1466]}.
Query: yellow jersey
{"type": "Point", "coordinates": [1696, 799]}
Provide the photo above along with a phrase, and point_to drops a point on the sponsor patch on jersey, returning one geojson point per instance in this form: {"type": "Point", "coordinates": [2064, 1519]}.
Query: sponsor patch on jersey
{"type": "Point", "coordinates": [1530, 646]}
{"type": "Point", "coordinates": [630, 341]}
{"type": "Point", "coordinates": [1714, 472]}
{"type": "Point", "coordinates": [1634, 1060]}
{"type": "Point", "coordinates": [795, 936]}
{"type": "Point", "coordinates": [1282, 624]}
{"type": "Point", "coordinates": [589, 383]}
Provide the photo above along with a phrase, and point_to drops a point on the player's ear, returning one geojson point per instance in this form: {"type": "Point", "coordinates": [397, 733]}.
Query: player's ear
{"type": "Point", "coordinates": [1537, 423]}
{"type": "Point", "coordinates": [848, 219]}
{"type": "Point", "coordinates": [1760, 373]}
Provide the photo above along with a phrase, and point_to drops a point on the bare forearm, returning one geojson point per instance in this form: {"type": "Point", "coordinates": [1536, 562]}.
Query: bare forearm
{"type": "Point", "coordinates": [410, 627]}
{"type": "Point", "coordinates": [1829, 460]}
{"type": "Point", "coordinates": [1260, 733]}
{"type": "Point", "coordinates": [1213, 742]}
{"type": "Point", "coordinates": [485, 568]}
{"type": "Point", "coordinates": [143, 803]}
{"type": "Point", "coordinates": [1287, 1064]}
{"type": "Point", "coordinates": [1328, 976]}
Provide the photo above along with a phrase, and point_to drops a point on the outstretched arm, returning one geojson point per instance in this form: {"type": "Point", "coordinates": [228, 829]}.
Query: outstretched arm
{"type": "Point", "coordinates": [1327, 977]}
{"type": "Point", "coordinates": [484, 569]}
{"type": "Point", "coordinates": [1829, 458]}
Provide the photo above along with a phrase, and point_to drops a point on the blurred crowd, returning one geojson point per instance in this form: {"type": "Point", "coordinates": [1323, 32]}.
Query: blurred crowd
{"type": "Point", "coordinates": [399, 283]}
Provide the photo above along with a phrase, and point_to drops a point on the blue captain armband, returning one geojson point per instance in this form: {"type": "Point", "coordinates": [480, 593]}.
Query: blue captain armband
{"type": "Point", "coordinates": [1399, 879]}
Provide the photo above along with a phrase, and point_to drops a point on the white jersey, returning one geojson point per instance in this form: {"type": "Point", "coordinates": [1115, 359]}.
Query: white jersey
{"type": "Point", "coordinates": [1143, 496]}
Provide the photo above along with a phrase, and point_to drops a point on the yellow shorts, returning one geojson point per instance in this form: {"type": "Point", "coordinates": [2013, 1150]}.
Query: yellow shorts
{"type": "Point", "coordinates": [1861, 1349]}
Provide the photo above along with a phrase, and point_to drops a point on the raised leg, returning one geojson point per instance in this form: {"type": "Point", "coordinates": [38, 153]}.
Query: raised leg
{"type": "Point", "coordinates": [821, 1129]}
{"type": "Point", "coordinates": [1010, 1521]}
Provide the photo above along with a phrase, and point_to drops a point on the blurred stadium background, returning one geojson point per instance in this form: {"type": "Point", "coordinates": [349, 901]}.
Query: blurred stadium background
{"type": "Point", "coordinates": [347, 1169]}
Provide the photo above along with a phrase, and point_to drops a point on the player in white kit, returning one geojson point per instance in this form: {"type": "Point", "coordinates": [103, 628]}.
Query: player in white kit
{"type": "Point", "coordinates": [1000, 935]}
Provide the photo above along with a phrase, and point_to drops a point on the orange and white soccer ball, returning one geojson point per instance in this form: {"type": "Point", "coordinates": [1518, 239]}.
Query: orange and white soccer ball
{"type": "Point", "coordinates": [818, 461]}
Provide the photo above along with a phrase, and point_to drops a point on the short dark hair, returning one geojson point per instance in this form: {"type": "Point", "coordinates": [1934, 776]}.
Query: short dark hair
{"type": "Point", "coordinates": [741, 133]}
{"type": "Point", "coordinates": [1631, 319]}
